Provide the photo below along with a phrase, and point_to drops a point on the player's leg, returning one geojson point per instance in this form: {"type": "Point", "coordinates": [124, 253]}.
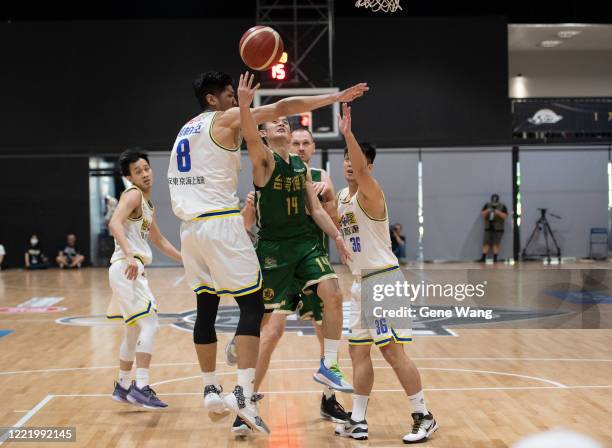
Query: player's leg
{"type": "Point", "coordinates": [235, 271]}
{"type": "Point", "coordinates": [271, 333]}
{"type": "Point", "coordinates": [363, 380]}
{"type": "Point", "coordinates": [408, 375]}
{"type": "Point", "coordinates": [205, 343]}
{"type": "Point", "coordinates": [61, 261]}
{"type": "Point", "coordinates": [127, 351]}
{"type": "Point", "coordinates": [328, 289]}
{"type": "Point", "coordinates": [310, 307]}
{"type": "Point", "coordinates": [197, 273]}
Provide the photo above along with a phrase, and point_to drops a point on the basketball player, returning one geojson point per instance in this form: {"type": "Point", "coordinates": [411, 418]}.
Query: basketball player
{"type": "Point", "coordinates": [364, 223]}
{"type": "Point", "coordinates": [305, 306]}
{"type": "Point", "coordinates": [218, 255]}
{"type": "Point", "coordinates": [132, 223]}
{"type": "Point", "coordinates": [287, 248]}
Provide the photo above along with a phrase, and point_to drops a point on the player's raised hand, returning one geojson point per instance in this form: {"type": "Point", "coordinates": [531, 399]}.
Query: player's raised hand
{"type": "Point", "coordinates": [345, 255]}
{"type": "Point", "coordinates": [344, 120]}
{"type": "Point", "coordinates": [246, 92]}
{"type": "Point", "coordinates": [131, 272]}
{"type": "Point", "coordinates": [353, 92]}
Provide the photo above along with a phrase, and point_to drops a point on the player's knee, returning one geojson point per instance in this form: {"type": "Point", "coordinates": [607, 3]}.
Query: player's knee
{"type": "Point", "coordinates": [204, 329]}
{"type": "Point", "coordinates": [148, 330]}
{"type": "Point", "coordinates": [359, 353]}
{"type": "Point", "coordinates": [393, 353]}
{"type": "Point", "coordinates": [251, 313]}
{"type": "Point", "coordinates": [127, 351]}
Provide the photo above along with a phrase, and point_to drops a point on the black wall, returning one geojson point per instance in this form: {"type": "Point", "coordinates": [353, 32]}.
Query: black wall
{"type": "Point", "coordinates": [46, 196]}
{"type": "Point", "coordinates": [434, 81]}
{"type": "Point", "coordinates": [101, 86]}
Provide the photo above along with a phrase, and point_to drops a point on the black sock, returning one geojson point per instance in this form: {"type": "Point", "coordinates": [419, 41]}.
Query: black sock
{"type": "Point", "coordinates": [494, 257]}
{"type": "Point", "coordinates": [484, 257]}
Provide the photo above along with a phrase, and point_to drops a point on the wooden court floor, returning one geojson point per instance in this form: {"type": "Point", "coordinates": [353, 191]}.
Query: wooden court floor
{"type": "Point", "coordinates": [487, 386]}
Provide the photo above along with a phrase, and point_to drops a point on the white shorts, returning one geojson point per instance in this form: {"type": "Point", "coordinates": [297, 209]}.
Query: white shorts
{"type": "Point", "coordinates": [132, 299]}
{"type": "Point", "coordinates": [377, 331]}
{"type": "Point", "coordinates": [219, 257]}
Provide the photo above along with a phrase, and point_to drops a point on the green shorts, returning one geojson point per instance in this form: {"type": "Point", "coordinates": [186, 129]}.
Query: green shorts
{"type": "Point", "coordinates": [306, 306]}
{"type": "Point", "coordinates": [289, 267]}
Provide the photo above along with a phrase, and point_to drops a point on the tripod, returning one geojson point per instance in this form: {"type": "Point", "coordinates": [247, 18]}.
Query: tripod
{"type": "Point", "coordinates": [542, 226]}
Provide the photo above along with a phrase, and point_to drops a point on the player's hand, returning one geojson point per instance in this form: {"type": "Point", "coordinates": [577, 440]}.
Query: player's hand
{"type": "Point", "coordinates": [320, 188]}
{"type": "Point", "coordinates": [352, 93]}
{"type": "Point", "coordinates": [250, 200]}
{"type": "Point", "coordinates": [246, 92]}
{"type": "Point", "coordinates": [131, 272]}
{"type": "Point", "coordinates": [345, 255]}
{"type": "Point", "coordinates": [344, 120]}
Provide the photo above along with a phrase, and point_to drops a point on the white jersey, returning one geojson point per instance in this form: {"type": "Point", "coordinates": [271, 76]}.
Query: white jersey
{"type": "Point", "coordinates": [367, 239]}
{"type": "Point", "coordinates": [203, 175]}
{"type": "Point", "coordinates": [137, 232]}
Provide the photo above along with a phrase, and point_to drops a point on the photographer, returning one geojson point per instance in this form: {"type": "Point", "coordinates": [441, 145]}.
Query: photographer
{"type": "Point", "coordinates": [494, 214]}
{"type": "Point", "coordinates": [398, 243]}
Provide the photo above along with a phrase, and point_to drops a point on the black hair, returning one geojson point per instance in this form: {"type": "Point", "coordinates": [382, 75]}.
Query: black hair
{"type": "Point", "coordinates": [494, 197]}
{"type": "Point", "coordinates": [368, 149]}
{"type": "Point", "coordinates": [130, 156]}
{"type": "Point", "coordinates": [210, 83]}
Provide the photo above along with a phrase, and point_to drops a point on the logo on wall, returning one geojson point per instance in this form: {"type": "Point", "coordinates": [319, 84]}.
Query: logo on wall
{"type": "Point", "coordinates": [227, 320]}
{"type": "Point", "coordinates": [545, 116]}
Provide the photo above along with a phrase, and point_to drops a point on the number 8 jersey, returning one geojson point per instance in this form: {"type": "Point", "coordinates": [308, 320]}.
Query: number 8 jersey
{"type": "Point", "coordinates": [202, 175]}
{"type": "Point", "coordinates": [367, 239]}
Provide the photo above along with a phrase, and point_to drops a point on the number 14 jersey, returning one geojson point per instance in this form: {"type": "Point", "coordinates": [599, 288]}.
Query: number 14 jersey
{"type": "Point", "coordinates": [202, 174]}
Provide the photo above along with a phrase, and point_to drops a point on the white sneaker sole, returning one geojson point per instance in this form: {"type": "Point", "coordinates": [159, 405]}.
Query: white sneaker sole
{"type": "Point", "coordinates": [214, 405]}
{"type": "Point", "coordinates": [133, 402]}
{"type": "Point", "coordinates": [330, 418]}
{"type": "Point", "coordinates": [430, 431]}
{"type": "Point", "coordinates": [241, 431]}
{"type": "Point", "coordinates": [322, 379]}
{"type": "Point", "coordinates": [360, 436]}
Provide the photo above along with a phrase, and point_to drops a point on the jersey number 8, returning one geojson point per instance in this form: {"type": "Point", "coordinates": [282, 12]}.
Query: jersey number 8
{"type": "Point", "coordinates": [183, 159]}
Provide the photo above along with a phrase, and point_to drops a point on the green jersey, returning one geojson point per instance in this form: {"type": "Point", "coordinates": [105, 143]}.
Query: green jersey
{"type": "Point", "coordinates": [281, 203]}
{"type": "Point", "coordinates": [319, 234]}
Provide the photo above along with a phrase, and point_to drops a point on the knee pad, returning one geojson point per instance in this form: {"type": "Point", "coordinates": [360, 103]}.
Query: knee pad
{"type": "Point", "coordinates": [251, 312]}
{"type": "Point", "coordinates": [148, 329]}
{"type": "Point", "coordinates": [204, 328]}
{"type": "Point", "coordinates": [127, 350]}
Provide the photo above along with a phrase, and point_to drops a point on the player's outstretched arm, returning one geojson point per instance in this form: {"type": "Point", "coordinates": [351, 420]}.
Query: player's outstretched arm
{"type": "Point", "coordinates": [369, 190]}
{"type": "Point", "coordinates": [163, 244]}
{"type": "Point", "coordinates": [324, 221]}
{"type": "Point", "coordinates": [128, 202]}
{"type": "Point", "coordinates": [261, 157]}
{"type": "Point", "coordinates": [293, 105]}
{"type": "Point", "coordinates": [248, 211]}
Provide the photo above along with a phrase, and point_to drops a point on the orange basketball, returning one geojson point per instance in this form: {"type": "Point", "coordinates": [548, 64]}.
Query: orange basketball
{"type": "Point", "coordinates": [261, 47]}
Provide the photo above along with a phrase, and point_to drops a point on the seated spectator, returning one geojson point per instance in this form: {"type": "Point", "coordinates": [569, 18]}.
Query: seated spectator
{"type": "Point", "coordinates": [34, 256]}
{"type": "Point", "coordinates": [2, 254]}
{"type": "Point", "coordinates": [69, 257]}
{"type": "Point", "coordinates": [398, 243]}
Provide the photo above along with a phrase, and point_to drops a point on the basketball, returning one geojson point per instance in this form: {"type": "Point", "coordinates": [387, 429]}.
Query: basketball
{"type": "Point", "coordinates": [261, 47]}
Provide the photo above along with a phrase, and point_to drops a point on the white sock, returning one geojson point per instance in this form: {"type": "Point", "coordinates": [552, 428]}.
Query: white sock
{"type": "Point", "coordinates": [210, 378]}
{"type": "Point", "coordinates": [360, 405]}
{"type": "Point", "coordinates": [330, 350]}
{"type": "Point", "coordinates": [246, 378]}
{"type": "Point", "coordinates": [328, 392]}
{"type": "Point", "coordinates": [124, 378]}
{"type": "Point", "coordinates": [418, 403]}
{"type": "Point", "coordinates": [142, 378]}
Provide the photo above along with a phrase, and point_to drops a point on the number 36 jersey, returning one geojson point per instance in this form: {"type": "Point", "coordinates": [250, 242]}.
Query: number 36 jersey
{"type": "Point", "coordinates": [202, 175]}
{"type": "Point", "coordinates": [367, 239]}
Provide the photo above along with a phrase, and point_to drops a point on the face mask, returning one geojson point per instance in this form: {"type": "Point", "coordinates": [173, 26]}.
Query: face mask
{"type": "Point", "coordinates": [33, 241]}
